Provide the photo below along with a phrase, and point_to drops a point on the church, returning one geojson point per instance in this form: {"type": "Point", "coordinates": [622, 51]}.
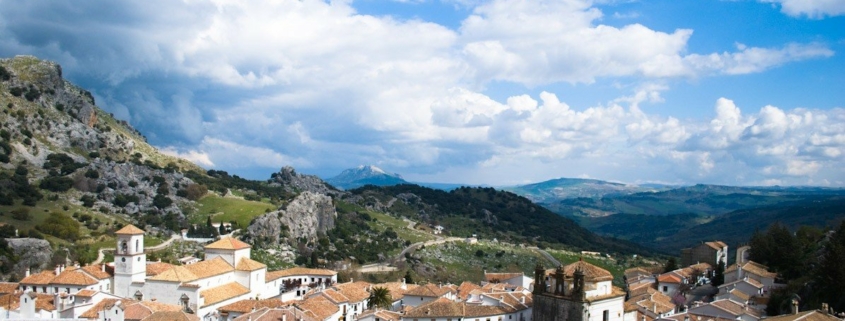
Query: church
{"type": "Point", "coordinates": [577, 292]}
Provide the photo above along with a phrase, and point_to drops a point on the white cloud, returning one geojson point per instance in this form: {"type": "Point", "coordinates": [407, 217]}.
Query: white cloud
{"type": "Point", "coordinates": [816, 9]}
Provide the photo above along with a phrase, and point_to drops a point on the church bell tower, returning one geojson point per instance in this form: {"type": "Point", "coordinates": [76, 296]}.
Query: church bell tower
{"type": "Point", "coordinates": [130, 262]}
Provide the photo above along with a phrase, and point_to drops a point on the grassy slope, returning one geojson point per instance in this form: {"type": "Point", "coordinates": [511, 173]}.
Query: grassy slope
{"type": "Point", "coordinates": [228, 209]}
{"type": "Point", "coordinates": [458, 261]}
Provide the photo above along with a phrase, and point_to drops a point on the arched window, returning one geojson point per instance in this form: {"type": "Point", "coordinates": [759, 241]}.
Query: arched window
{"type": "Point", "coordinates": [137, 246]}
{"type": "Point", "coordinates": [123, 248]}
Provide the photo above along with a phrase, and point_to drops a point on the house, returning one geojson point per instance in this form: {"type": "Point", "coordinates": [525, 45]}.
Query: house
{"type": "Point", "coordinates": [823, 314]}
{"type": "Point", "coordinates": [379, 315]}
{"type": "Point", "coordinates": [707, 252]}
{"type": "Point", "coordinates": [444, 309]}
{"type": "Point", "coordinates": [294, 283]}
{"type": "Point", "coordinates": [754, 271]}
{"type": "Point", "coordinates": [650, 303]}
{"type": "Point", "coordinates": [428, 293]}
{"type": "Point", "coordinates": [516, 279]}
{"type": "Point", "coordinates": [577, 292]}
{"type": "Point", "coordinates": [397, 292]}
{"type": "Point", "coordinates": [67, 280]}
{"type": "Point", "coordinates": [670, 283]}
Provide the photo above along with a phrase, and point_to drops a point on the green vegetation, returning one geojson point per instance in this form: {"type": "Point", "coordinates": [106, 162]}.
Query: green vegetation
{"type": "Point", "coordinates": [808, 260]}
{"type": "Point", "coordinates": [490, 214]}
{"type": "Point", "coordinates": [458, 261]}
{"type": "Point", "coordinates": [228, 209]}
{"type": "Point", "coordinates": [61, 226]}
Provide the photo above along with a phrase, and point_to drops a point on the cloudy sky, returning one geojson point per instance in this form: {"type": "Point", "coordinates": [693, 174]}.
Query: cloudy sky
{"type": "Point", "coordinates": [744, 92]}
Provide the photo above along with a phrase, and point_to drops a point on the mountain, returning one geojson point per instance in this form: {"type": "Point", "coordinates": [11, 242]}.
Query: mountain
{"type": "Point", "coordinates": [365, 175]}
{"type": "Point", "coordinates": [488, 213]}
{"type": "Point", "coordinates": [566, 188]}
{"type": "Point", "coordinates": [699, 199]}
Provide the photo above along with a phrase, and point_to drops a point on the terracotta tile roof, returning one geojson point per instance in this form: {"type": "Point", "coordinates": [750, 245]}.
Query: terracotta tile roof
{"type": "Point", "coordinates": [247, 264]}
{"type": "Point", "coordinates": [222, 293]}
{"type": "Point", "coordinates": [319, 306]}
{"type": "Point", "coordinates": [140, 310]}
{"type": "Point", "coordinates": [481, 310]}
{"type": "Point", "coordinates": [429, 290]}
{"type": "Point", "coordinates": [93, 311]}
{"type": "Point", "coordinates": [630, 306]}
{"type": "Point", "coordinates": [247, 305]}
{"type": "Point", "coordinates": [276, 314]}
{"type": "Point", "coordinates": [73, 276]}
{"type": "Point", "coordinates": [668, 278]}
{"type": "Point", "coordinates": [86, 293]}
{"type": "Point", "coordinates": [640, 288]}
{"type": "Point", "coordinates": [8, 287]}
{"type": "Point", "coordinates": [385, 315]}
{"type": "Point", "coordinates": [40, 278]}
{"type": "Point", "coordinates": [395, 288]}
{"type": "Point", "coordinates": [298, 271]}
{"type": "Point", "coordinates": [439, 308]}
{"type": "Point", "coordinates": [175, 274]}
{"type": "Point", "coordinates": [734, 308]}
{"type": "Point", "coordinates": [355, 291]}
{"type": "Point", "coordinates": [500, 277]}
{"type": "Point", "coordinates": [754, 268]}
{"type": "Point", "coordinates": [500, 287]}
{"type": "Point", "coordinates": [157, 268]}
{"type": "Point", "coordinates": [196, 271]}
{"type": "Point", "coordinates": [466, 288]}
{"type": "Point", "coordinates": [43, 301]}
{"type": "Point", "coordinates": [751, 282]}
{"type": "Point", "coordinates": [636, 271]}
{"type": "Point", "coordinates": [739, 294]}
{"type": "Point", "coordinates": [717, 245]}
{"type": "Point", "coordinates": [171, 316]}
{"type": "Point", "coordinates": [811, 315]}
{"type": "Point", "coordinates": [96, 271]}
{"type": "Point", "coordinates": [591, 272]}
{"type": "Point", "coordinates": [334, 296]}
{"type": "Point", "coordinates": [228, 243]}
{"type": "Point", "coordinates": [129, 230]}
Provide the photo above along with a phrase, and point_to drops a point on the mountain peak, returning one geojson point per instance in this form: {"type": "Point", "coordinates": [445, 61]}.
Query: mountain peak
{"type": "Point", "coordinates": [365, 175]}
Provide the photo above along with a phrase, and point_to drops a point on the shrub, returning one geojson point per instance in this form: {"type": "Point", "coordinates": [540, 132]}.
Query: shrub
{"type": "Point", "coordinates": [56, 184]}
{"type": "Point", "coordinates": [162, 201]}
{"type": "Point", "coordinates": [94, 154]}
{"type": "Point", "coordinates": [32, 94]}
{"type": "Point", "coordinates": [16, 91]}
{"type": "Point", "coordinates": [88, 200]}
{"type": "Point", "coordinates": [61, 226]}
{"type": "Point", "coordinates": [92, 173]}
{"type": "Point", "coordinates": [21, 214]}
{"type": "Point", "coordinates": [4, 74]}
{"type": "Point", "coordinates": [121, 200]}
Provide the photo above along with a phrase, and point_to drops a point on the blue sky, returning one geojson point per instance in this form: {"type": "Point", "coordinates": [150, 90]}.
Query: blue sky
{"type": "Point", "coordinates": [493, 92]}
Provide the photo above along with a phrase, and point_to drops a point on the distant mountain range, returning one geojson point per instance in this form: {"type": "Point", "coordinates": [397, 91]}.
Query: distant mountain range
{"type": "Point", "coordinates": [566, 188]}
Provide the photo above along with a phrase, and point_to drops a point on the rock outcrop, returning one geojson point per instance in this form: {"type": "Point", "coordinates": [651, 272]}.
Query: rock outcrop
{"type": "Point", "coordinates": [308, 215]}
{"type": "Point", "coordinates": [31, 253]}
{"type": "Point", "coordinates": [295, 182]}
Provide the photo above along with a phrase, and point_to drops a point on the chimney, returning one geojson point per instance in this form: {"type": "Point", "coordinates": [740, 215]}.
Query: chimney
{"type": "Point", "coordinates": [522, 299]}
{"type": "Point", "coordinates": [28, 271]}
{"type": "Point", "coordinates": [686, 317]}
{"type": "Point", "coordinates": [284, 317]}
{"type": "Point", "coordinates": [825, 308]}
{"type": "Point", "coordinates": [58, 269]}
{"type": "Point", "coordinates": [654, 308]}
{"type": "Point", "coordinates": [794, 306]}
{"type": "Point", "coordinates": [103, 267]}
{"type": "Point", "coordinates": [404, 286]}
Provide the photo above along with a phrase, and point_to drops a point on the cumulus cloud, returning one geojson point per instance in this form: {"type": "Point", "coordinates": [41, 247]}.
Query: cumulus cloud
{"type": "Point", "coordinates": [317, 85]}
{"type": "Point", "coordinates": [816, 9]}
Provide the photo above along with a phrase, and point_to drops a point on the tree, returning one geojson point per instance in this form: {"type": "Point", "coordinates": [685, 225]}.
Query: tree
{"type": "Point", "coordinates": [719, 278]}
{"type": "Point", "coordinates": [408, 278]}
{"type": "Point", "coordinates": [830, 275]}
{"type": "Point", "coordinates": [379, 298]}
{"type": "Point", "coordinates": [670, 266]}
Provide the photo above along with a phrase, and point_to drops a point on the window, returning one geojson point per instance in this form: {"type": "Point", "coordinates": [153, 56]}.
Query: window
{"type": "Point", "coordinates": [605, 315]}
{"type": "Point", "coordinates": [665, 288]}
{"type": "Point", "coordinates": [137, 246]}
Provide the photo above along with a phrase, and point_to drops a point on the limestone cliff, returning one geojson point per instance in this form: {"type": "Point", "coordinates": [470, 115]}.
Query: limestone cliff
{"type": "Point", "coordinates": [305, 216]}
{"type": "Point", "coordinates": [31, 253]}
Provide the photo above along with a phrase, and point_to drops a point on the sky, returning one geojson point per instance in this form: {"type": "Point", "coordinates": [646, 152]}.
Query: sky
{"type": "Point", "coordinates": [499, 92]}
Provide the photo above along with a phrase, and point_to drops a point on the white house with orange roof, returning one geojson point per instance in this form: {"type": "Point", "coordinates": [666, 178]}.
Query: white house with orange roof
{"type": "Point", "coordinates": [428, 293]}
{"type": "Point", "coordinates": [67, 280]}
{"type": "Point", "coordinates": [294, 283]}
